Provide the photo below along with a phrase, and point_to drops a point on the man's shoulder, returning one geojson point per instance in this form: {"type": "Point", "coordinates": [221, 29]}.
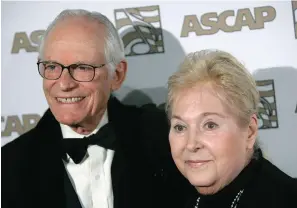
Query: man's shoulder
{"type": "Point", "coordinates": [19, 146]}
{"type": "Point", "coordinates": [154, 121]}
{"type": "Point", "coordinates": [151, 111]}
{"type": "Point", "coordinates": [29, 142]}
{"type": "Point", "coordinates": [18, 157]}
{"type": "Point", "coordinates": [147, 114]}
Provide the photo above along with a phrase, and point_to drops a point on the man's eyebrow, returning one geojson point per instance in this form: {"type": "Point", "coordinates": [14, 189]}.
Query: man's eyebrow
{"type": "Point", "coordinates": [47, 60]}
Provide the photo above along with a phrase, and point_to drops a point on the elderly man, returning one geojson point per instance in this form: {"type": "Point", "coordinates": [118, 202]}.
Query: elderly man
{"type": "Point", "coordinates": [89, 150]}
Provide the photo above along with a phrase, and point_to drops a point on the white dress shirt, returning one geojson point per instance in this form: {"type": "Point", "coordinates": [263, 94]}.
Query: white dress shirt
{"type": "Point", "coordinates": [92, 177]}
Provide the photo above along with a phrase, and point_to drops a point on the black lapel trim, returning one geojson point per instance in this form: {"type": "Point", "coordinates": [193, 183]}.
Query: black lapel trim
{"type": "Point", "coordinates": [123, 118]}
{"type": "Point", "coordinates": [115, 110]}
{"type": "Point", "coordinates": [51, 168]}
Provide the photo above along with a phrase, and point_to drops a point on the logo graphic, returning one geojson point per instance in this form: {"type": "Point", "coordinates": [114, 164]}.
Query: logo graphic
{"type": "Point", "coordinates": [294, 9]}
{"type": "Point", "coordinates": [267, 108]}
{"type": "Point", "coordinates": [214, 22]}
{"type": "Point", "coordinates": [18, 124]}
{"type": "Point", "coordinates": [29, 43]}
{"type": "Point", "coordinates": [140, 29]}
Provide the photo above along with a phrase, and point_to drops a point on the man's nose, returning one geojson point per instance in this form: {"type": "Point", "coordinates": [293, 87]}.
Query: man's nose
{"type": "Point", "coordinates": [66, 82]}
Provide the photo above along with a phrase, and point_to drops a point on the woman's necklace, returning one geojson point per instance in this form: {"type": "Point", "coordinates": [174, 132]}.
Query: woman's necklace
{"type": "Point", "coordinates": [234, 203]}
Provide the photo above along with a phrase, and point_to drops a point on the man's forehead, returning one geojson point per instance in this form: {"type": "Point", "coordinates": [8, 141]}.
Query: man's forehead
{"type": "Point", "coordinates": [76, 35]}
{"type": "Point", "coordinates": [75, 39]}
{"type": "Point", "coordinates": [77, 26]}
{"type": "Point", "coordinates": [74, 51]}
{"type": "Point", "coordinates": [82, 20]}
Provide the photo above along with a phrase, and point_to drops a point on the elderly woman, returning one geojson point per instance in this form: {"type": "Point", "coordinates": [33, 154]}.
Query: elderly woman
{"type": "Point", "coordinates": [212, 108]}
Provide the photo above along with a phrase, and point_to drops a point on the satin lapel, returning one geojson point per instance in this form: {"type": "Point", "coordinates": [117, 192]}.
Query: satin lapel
{"type": "Point", "coordinates": [51, 168]}
{"type": "Point", "coordinates": [118, 114]}
{"type": "Point", "coordinates": [117, 174]}
{"type": "Point", "coordinates": [118, 163]}
{"type": "Point", "coordinates": [71, 197]}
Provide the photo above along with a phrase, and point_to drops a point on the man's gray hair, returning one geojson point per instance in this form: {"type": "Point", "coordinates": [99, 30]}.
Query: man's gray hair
{"type": "Point", "coordinates": [114, 47]}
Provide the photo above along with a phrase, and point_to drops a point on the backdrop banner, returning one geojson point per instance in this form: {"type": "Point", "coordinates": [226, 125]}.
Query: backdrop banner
{"type": "Point", "coordinates": [157, 36]}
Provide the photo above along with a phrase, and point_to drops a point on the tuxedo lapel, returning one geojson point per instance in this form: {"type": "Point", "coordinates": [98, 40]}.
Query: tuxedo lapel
{"type": "Point", "coordinates": [125, 178]}
{"type": "Point", "coordinates": [53, 178]}
{"type": "Point", "coordinates": [72, 200]}
{"type": "Point", "coordinates": [117, 175]}
{"type": "Point", "coordinates": [55, 188]}
{"type": "Point", "coordinates": [115, 111]}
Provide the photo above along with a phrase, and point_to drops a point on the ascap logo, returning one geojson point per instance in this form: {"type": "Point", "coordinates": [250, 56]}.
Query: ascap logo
{"type": "Point", "coordinates": [140, 29]}
{"type": "Point", "coordinates": [215, 22]}
{"type": "Point", "coordinates": [29, 43]}
{"type": "Point", "coordinates": [267, 108]}
{"type": "Point", "coordinates": [294, 9]}
{"type": "Point", "coordinates": [15, 124]}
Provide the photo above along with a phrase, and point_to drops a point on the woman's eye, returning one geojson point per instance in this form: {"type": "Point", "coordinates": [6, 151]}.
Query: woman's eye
{"type": "Point", "coordinates": [211, 125]}
{"type": "Point", "coordinates": [179, 128]}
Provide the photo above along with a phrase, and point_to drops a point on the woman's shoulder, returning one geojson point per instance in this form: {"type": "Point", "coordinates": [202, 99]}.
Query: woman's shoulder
{"type": "Point", "coordinates": [271, 187]}
{"type": "Point", "coordinates": [274, 184]}
{"type": "Point", "coordinates": [271, 173]}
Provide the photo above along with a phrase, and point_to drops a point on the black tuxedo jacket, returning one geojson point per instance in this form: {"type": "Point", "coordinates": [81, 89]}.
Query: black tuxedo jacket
{"type": "Point", "coordinates": [143, 173]}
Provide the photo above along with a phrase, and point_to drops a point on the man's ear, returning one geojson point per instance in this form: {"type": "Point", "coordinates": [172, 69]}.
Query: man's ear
{"type": "Point", "coordinates": [119, 75]}
{"type": "Point", "coordinates": [252, 131]}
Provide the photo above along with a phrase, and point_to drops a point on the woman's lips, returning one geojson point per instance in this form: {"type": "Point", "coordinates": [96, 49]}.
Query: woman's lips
{"type": "Point", "coordinates": [196, 163]}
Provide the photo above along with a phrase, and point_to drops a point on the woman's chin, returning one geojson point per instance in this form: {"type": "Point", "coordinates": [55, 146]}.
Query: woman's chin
{"type": "Point", "coordinates": [205, 187]}
{"type": "Point", "coordinates": [206, 190]}
{"type": "Point", "coordinates": [204, 184]}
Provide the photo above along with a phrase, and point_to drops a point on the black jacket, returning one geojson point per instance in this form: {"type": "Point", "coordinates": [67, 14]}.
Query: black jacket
{"type": "Point", "coordinates": [143, 172]}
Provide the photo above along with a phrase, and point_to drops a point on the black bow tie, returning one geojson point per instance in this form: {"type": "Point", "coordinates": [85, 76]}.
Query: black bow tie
{"type": "Point", "coordinates": [77, 148]}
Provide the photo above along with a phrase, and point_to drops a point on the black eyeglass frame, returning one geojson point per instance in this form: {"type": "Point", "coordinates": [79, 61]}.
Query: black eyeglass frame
{"type": "Point", "coordinates": [68, 68]}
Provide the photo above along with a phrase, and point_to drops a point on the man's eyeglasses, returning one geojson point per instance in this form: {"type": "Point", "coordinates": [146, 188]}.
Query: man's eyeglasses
{"type": "Point", "coordinates": [79, 72]}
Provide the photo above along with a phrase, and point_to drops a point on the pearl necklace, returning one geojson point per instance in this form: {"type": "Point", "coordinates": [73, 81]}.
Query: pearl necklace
{"type": "Point", "coordinates": [234, 203]}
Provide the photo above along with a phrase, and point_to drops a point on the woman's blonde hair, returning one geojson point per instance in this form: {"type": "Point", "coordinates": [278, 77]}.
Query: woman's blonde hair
{"type": "Point", "coordinates": [232, 82]}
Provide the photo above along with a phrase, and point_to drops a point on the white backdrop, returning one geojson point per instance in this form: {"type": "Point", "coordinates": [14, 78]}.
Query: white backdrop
{"type": "Point", "coordinates": [263, 38]}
